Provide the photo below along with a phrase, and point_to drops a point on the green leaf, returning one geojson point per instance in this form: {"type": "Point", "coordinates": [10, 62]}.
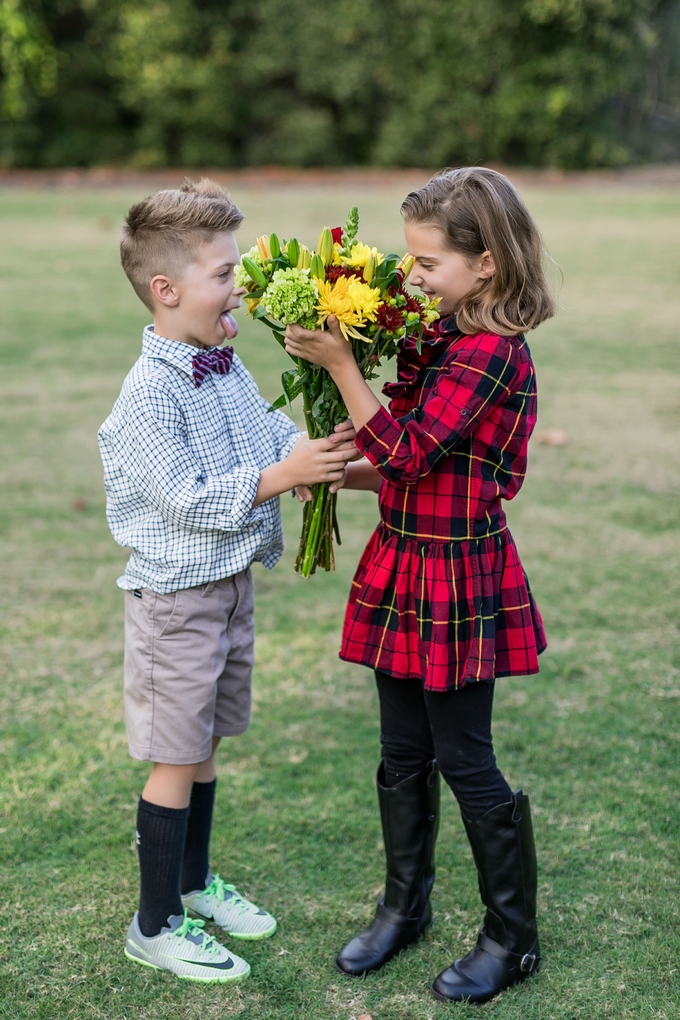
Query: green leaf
{"type": "Point", "coordinates": [292, 383]}
{"type": "Point", "coordinates": [278, 403]}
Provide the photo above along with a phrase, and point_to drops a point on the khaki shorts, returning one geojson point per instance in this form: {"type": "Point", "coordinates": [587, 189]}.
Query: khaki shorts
{"type": "Point", "coordinates": [188, 668]}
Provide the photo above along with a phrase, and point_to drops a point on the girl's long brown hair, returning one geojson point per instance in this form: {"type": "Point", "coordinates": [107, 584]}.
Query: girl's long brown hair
{"type": "Point", "coordinates": [478, 210]}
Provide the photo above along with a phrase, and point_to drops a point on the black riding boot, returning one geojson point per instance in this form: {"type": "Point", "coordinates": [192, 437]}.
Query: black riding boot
{"type": "Point", "coordinates": [410, 817]}
{"type": "Point", "coordinates": [507, 949]}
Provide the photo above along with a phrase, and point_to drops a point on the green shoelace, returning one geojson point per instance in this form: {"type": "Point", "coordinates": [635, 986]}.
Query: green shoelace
{"type": "Point", "coordinates": [189, 926]}
{"type": "Point", "coordinates": [219, 888]}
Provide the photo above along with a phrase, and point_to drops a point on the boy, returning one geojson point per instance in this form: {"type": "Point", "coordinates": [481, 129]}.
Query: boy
{"type": "Point", "coordinates": [193, 467]}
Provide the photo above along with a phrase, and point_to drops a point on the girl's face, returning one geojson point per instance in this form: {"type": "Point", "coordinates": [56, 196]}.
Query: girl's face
{"type": "Point", "coordinates": [440, 272]}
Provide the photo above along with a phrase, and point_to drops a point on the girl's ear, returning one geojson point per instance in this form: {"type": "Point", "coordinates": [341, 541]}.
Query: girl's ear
{"type": "Point", "coordinates": [163, 291]}
{"type": "Point", "coordinates": [487, 266]}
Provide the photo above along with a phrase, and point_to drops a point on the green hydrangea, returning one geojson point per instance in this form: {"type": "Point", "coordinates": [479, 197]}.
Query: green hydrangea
{"type": "Point", "coordinates": [241, 277]}
{"type": "Point", "coordinates": [291, 297]}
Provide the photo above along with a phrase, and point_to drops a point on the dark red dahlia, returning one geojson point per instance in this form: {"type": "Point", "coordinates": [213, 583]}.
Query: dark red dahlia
{"type": "Point", "coordinates": [334, 272]}
{"type": "Point", "coordinates": [337, 235]}
{"type": "Point", "coordinates": [390, 318]}
{"type": "Point", "coordinates": [412, 303]}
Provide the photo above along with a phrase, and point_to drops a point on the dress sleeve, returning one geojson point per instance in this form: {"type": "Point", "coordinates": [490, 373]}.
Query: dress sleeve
{"type": "Point", "coordinates": [476, 380]}
{"type": "Point", "coordinates": [157, 459]}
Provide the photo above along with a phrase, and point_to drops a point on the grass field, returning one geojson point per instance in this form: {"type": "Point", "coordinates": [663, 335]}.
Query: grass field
{"type": "Point", "coordinates": [594, 739]}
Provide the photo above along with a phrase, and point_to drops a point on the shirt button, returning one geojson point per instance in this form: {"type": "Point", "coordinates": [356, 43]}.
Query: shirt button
{"type": "Point", "coordinates": [464, 413]}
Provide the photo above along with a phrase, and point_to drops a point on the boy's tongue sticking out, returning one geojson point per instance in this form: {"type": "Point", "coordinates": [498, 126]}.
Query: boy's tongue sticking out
{"type": "Point", "coordinates": [229, 325]}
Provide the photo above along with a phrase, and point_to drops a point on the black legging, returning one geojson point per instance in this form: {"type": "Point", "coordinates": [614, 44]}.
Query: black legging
{"type": "Point", "coordinates": [454, 727]}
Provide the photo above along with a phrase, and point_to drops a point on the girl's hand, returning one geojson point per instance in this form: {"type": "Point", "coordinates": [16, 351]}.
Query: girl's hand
{"type": "Point", "coordinates": [338, 485]}
{"type": "Point", "coordinates": [327, 348]}
{"type": "Point", "coordinates": [345, 433]}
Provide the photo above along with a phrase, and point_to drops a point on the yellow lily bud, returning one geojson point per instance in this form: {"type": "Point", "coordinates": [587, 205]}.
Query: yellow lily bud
{"type": "Point", "coordinates": [406, 265]}
{"type": "Point", "coordinates": [325, 246]}
{"type": "Point", "coordinates": [263, 247]}
{"type": "Point", "coordinates": [304, 258]}
{"type": "Point", "coordinates": [368, 271]}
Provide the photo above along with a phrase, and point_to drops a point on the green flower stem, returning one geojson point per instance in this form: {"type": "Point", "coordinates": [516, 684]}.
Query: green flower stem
{"type": "Point", "coordinates": [309, 421]}
{"type": "Point", "coordinates": [311, 552]}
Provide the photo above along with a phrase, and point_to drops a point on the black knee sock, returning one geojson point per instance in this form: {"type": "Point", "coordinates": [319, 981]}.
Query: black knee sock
{"type": "Point", "coordinates": [197, 845]}
{"type": "Point", "coordinates": [161, 833]}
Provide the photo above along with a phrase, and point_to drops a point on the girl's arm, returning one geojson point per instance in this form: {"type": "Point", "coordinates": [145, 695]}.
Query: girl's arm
{"type": "Point", "coordinates": [480, 376]}
{"type": "Point", "coordinates": [361, 474]}
{"type": "Point", "coordinates": [330, 350]}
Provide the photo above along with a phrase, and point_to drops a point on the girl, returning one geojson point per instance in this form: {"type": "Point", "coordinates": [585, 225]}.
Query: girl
{"type": "Point", "coordinates": [440, 605]}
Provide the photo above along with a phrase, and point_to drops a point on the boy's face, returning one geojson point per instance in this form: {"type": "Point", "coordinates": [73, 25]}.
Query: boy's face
{"type": "Point", "coordinates": [196, 306]}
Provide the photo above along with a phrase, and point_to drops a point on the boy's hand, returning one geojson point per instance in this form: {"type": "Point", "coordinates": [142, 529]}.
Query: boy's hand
{"type": "Point", "coordinates": [342, 434]}
{"type": "Point", "coordinates": [310, 462]}
{"type": "Point", "coordinates": [327, 348]}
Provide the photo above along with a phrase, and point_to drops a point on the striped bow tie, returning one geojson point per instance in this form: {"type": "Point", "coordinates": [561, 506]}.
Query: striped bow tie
{"type": "Point", "coordinates": [217, 360]}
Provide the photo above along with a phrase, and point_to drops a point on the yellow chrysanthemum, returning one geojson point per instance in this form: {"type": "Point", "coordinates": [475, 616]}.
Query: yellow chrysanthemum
{"type": "Point", "coordinates": [364, 298]}
{"type": "Point", "coordinates": [351, 301]}
{"type": "Point", "coordinates": [359, 256]}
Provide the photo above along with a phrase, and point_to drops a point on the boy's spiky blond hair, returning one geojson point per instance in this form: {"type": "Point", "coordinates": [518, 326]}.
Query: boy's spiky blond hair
{"type": "Point", "coordinates": [162, 233]}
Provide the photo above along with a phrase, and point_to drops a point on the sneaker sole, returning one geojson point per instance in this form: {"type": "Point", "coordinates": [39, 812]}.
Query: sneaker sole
{"type": "Point", "coordinates": [187, 977]}
{"type": "Point", "coordinates": [251, 936]}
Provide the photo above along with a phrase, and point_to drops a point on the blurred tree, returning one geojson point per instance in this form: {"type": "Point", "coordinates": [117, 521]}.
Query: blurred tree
{"type": "Point", "coordinates": [323, 82]}
{"type": "Point", "coordinates": [27, 59]}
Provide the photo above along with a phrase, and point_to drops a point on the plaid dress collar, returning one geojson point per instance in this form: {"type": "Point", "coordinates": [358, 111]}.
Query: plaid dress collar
{"type": "Point", "coordinates": [412, 362]}
{"type": "Point", "coordinates": [439, 332]}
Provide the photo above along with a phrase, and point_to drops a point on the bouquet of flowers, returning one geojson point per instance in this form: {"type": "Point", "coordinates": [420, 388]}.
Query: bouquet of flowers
{"type": "Point", "coordinates": [288, 283]}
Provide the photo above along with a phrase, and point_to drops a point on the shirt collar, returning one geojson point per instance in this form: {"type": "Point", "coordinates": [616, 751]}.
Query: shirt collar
{"type": "Point", "coordinates": [172, 352]}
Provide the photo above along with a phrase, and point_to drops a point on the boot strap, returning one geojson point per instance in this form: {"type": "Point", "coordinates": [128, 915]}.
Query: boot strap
{"type": "Point", "coordinates": [398, 920]}
{"type": "Point", "coordinates": [526, 962]}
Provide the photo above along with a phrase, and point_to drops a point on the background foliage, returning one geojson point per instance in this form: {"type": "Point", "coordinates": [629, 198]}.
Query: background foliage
{"type": "Point", "coordinates": [321, 82]}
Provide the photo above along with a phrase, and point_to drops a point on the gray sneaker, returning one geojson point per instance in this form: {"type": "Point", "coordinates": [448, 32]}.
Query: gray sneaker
{"type": "Point", "coordinates": [186, 950]}
{"type": "Point", "coordinates": [226, 907]}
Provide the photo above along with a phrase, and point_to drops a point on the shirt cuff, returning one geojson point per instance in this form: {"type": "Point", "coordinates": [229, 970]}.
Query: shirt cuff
{"type": "Point", "coordinates": [242, 512]}
{"type": "Point", "coordinates": [289, 444]}
{"type": "Point", "coordinates": [379, 437]}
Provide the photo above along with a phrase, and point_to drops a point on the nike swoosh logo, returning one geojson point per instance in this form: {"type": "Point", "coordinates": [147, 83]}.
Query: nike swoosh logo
{"type": "Point", "coordinates": [225, 965]}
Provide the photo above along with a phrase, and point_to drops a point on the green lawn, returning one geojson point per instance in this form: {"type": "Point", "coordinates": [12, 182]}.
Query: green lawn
{"type": "Point", "coordinates": [593, 739]}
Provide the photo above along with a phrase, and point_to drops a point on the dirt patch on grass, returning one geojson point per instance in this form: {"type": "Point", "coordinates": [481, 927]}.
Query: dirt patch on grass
{"type": "Point", "coordinates": [666, 175]}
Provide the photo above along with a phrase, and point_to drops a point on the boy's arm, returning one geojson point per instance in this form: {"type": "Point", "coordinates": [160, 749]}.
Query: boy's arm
{"type": "Point", "coordinates": [155, 456]}
{"type": "Point", "coordinates": [285, 432]}
{"type": "Point", "coordinates": [310, 462]}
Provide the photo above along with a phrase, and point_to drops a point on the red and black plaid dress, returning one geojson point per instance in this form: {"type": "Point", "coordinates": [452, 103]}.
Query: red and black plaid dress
{"type": "Point", "coordinates": [440, 593]}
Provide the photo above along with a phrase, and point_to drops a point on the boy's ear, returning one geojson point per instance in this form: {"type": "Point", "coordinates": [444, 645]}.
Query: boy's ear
{"type": "Point", "coordinates": [164, 291]}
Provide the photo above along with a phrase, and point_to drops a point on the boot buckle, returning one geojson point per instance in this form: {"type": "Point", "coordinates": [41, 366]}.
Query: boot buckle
{"type": "Point", "coordinates": [528, 962]}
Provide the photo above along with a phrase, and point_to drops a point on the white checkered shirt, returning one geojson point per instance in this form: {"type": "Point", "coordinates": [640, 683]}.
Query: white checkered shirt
{"type": "Point", "coordinates": [181, 468]}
